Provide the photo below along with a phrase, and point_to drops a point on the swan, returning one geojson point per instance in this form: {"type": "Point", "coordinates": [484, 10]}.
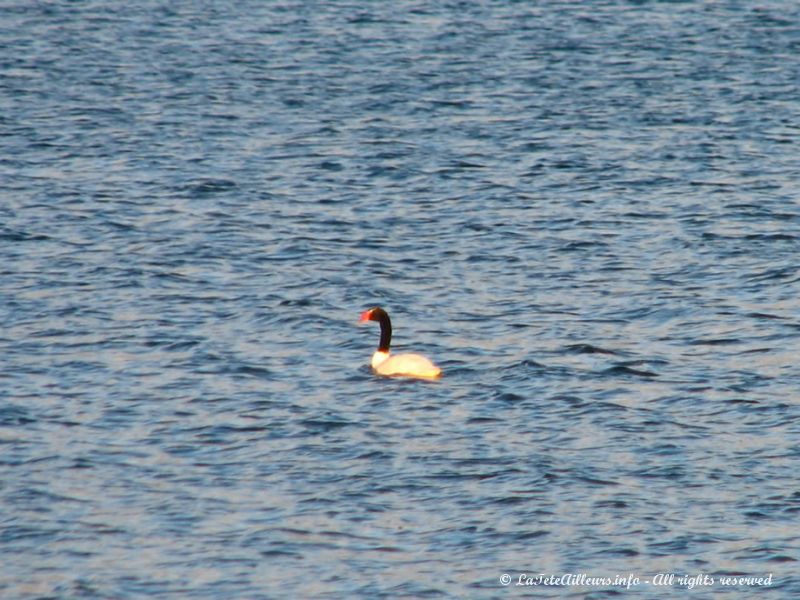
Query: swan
{"type": "Point", "coordinates": [406, 365]}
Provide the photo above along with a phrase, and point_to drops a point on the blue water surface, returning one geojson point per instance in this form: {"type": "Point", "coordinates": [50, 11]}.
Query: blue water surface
{"type": "Point", "coordinates": [586, 213]}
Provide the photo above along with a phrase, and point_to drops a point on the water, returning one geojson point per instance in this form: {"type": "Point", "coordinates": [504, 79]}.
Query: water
{"type": "Point", "coordinates": [587, 214]}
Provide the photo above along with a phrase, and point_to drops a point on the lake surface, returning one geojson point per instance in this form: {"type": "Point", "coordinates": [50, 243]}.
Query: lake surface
{"type": "Point", "coordinates": [588, 214]}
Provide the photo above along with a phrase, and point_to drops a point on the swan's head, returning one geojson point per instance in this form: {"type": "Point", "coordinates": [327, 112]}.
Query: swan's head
{"type": "Point", "coordinates": [373, 314]}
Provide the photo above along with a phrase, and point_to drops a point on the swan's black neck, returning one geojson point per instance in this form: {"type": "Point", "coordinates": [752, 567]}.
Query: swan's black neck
{"type": "Point", "coordinates": [380, 315]}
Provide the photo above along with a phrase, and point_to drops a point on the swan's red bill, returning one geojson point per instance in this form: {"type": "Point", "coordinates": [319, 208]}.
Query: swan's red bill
{"type": "Point", "coordinates": [365, 316]}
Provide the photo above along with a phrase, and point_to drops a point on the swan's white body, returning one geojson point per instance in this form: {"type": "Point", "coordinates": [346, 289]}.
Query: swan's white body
{"type": "Point", "coordinates": [410, 365]}
{"type": "Point", "coordinates": [401, 365]}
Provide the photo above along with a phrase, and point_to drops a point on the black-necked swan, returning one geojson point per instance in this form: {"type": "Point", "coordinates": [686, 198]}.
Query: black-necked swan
{"type": "Point", "coordinates": [383, 363]}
